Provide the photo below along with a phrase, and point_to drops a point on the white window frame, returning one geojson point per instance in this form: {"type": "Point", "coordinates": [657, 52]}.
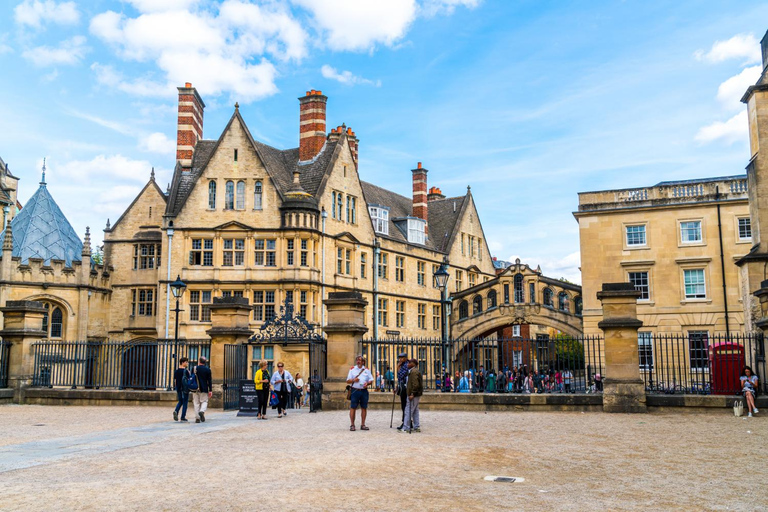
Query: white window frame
{"type": "Point", "coordinates": [416, 234]}
{"type": "Point", "coordinates": [703, 284]}
{"type": "Point", "coordinates": [694, 226]}
{"type": "Point", "coordinates": [647, 283]}
{"type": "Point", "coordinates": [645, 340]}
{"type": "Point", "coordinates": [516, 330]}
{"type": "Point", "coordinates": [380, 219]}
{"type": "Point", "coordinates": [627, 233]}
{"type": "Point", "coordinates": [738, 229]}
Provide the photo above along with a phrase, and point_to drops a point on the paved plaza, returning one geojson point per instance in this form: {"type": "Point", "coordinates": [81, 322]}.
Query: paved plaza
{"type": "Point", "coordinates": [134, 458]}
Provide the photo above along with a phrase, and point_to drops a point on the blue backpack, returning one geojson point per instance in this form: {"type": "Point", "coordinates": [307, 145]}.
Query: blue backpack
{"type": "Point", "coordinates": [191, 383]}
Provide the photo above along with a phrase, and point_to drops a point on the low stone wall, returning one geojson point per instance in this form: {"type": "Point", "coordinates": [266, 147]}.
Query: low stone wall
{"type": "Point", "coordinates": [60, 396]}
{"type": "Point", "coordinates": [6, 396]}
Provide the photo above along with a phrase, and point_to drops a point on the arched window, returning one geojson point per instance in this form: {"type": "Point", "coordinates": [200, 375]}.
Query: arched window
{"type": "Point", "coordinates": [53, 321]}
{"type": "Point", "coordinates": [463, 310]}
{"type": "Point", "coordinates": [257, 196]}
{"type": "Point", "coordinates": [578, 305]}
{"type": "Point", "coordinates": [548, 297]}
{"type": "Point", "coordinates": [562, 301]}
{"type": "Point", "coordinates": [212, 195]}
{"type": "Point", "coordinates": [519, 293]}
{"type": "Point", "coordinates": [241, 195]}
{"type": "Point", "coordinates": [477, 305]}
{"type": "Point", "coordinates": [229, 196]}
{"type": "Point", "coordinates": [492, 299]}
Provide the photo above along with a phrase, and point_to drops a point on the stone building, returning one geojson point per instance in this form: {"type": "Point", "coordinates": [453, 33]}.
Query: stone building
{"type": "Point", "coordinates": [244, 219]}
{"type": "Point", "coordinates": [678, 242]}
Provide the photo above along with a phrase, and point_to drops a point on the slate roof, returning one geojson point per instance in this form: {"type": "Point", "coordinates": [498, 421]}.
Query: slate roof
{"type": "Point", "coordinates": [442, 215]}
{"type": "Point", "coordinates": [40, 230]}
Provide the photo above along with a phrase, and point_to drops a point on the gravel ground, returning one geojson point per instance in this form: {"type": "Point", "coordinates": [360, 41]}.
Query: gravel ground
{"type": "Point", "coordinates": [94, 458]}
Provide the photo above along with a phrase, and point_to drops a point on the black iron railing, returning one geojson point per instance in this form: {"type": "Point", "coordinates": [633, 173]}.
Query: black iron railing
{"type": "Point", "coordinates": [5, 353]}
{"type": "Point", "coordinates": [559, 364]}
{"type": "Point", "coordinates": [144, 365]}
{"type": "Point", "coordinates": [696, 362]}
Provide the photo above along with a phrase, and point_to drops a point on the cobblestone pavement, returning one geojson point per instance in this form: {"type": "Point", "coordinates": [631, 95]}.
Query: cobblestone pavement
{"type": "Point", "coordinates": [121, 458]}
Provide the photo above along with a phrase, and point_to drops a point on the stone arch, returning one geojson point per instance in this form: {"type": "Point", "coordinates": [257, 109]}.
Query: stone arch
{"type": "Point", "coordinates": [500, 321]}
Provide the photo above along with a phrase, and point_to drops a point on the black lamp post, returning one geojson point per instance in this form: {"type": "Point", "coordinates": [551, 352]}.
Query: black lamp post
{"type": "Point", "coordinates": [177, 288]}
{"type": "Point", "coordinates": [441, 281]}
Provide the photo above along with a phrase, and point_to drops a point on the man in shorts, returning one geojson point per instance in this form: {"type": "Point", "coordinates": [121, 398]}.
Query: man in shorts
{"type": "Point", "coordinates": [359, 378]}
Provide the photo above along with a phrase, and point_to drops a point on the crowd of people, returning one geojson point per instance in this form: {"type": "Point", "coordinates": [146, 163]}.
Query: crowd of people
{"type": "Point", "coordinates": [517, 379]}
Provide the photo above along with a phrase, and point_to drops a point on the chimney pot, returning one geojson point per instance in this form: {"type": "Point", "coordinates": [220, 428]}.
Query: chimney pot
{"type": "Point", "coordinates": [188, 85]}
{"type": "Point", "coordinates": [419, 166]}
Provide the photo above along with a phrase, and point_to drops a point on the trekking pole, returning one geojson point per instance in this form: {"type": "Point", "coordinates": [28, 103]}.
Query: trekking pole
{"type": "Point", "coordinates": [392, 418]}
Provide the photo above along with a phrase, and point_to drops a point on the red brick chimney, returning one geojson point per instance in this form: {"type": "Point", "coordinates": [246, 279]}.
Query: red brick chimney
{"type": "Point", "coordinates": [311, 124]}
{"type": "Point", "coordinates": [420, 192]}
{"type": "Point", "coordinates": [190, 123]}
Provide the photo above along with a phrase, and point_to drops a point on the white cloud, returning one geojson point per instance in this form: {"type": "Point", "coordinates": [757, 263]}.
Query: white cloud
{"type": "Point", "coordinates": [567, 266]}
{"type": "Point", "coordinates": [730, 92]}
{"type": "Point", "coordinates": [741, 46]}
{"type": "Point", "coordinates": [112, 125]}
{"type": "Point", "coordinates": [346, 77]}
{"type": "Point", "coordinates": [157, 143]}
{"type": "Point", "coordinates": [108, 168]}
{"type": "Point", "coordinates": [34, 13]}
{"type": "Point", "coordinates": [231, 52]}
{"type": "Point", "coordinates": [356, 25]}
{"type": "Point", "coordinates": [107, 76]}
{"type": "Point", "coordinates": [433, 7]}
{"type": "Point", "coordinates": [69, 52]}
{"type": "Point", "coordinates": [163, 5]}
{"type": "Point", "coordinates": [733, 130]}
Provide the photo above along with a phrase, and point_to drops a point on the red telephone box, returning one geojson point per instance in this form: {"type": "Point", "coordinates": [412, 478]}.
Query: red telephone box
{"type": "Point", "coordinates": [726, 360]}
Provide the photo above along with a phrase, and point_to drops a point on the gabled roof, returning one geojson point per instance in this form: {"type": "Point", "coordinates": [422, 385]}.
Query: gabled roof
{"type": "Point", "coordinates": [40, 230]}
{"type": "Point", "coordinates": [279, 164]}
{"type": "Point", "coordinates": [441, 213]}
{"type": "Point", "coordinates": [151, 182]}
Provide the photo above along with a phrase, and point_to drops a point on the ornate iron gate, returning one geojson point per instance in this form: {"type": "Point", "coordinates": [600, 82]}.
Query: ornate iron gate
{"type": "Point", "coordinates": [235, 370]}
{"type": "Point", "coordinates": [285, 329]}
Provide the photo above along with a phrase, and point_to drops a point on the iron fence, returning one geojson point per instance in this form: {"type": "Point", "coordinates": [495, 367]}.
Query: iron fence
{"type": "Point", "coordinates": [143, 365]}
{"type": "Point", "coordinates": [696, 362]}
{"type": "Point", "coordinates": [492, 365]}
{"type": "Point", "coordinates": [5, 355]}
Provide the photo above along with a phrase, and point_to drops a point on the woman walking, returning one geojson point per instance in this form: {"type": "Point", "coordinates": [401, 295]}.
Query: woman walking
{"type": "Point", "coordinates": [281, 383]}
{"type": "Point", "coordinates": [261, 380]}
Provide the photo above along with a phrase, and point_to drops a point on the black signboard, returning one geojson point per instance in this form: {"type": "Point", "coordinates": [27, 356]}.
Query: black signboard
{"type": "Point", "coordinates": [249, 403]}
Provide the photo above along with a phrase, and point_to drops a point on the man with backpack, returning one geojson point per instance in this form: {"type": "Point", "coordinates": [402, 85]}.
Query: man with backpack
{"type": "Point", "coordinates": [414, 390]}
{"type": "Point", "coordinates": [180, 377]}
{"type": "Point", "coordinates": [204, 389]}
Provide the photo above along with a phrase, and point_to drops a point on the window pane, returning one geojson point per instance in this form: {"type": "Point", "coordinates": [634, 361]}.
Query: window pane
{"type": "Point", "coordinates": [635, 235]}
{"type": "Point", "coordinates": [690, 231]}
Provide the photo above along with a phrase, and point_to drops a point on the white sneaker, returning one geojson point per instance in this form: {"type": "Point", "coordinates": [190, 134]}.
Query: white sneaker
{"type": "Point", "coordinates": [755, 410]}
{"type": "Point", "coordinates": [749, 415]}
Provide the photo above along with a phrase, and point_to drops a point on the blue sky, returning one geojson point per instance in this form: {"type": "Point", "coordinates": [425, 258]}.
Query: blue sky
{"type": "Point", "coordinates": [529, 102]}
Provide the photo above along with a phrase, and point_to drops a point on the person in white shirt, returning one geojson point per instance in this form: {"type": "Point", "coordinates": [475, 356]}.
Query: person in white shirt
{"type": "Point", "coordinates": [281, 383]}
{"type": "Point", "coordinates": [359, 378]}
{"type": "Point", "coordinates": [299, 389]}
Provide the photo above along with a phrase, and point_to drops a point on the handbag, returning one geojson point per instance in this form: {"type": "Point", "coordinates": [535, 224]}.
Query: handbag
{"type": "Point", "coordinates": [273, 400]}
{"type": "Point", "coordinates": [738, 408]}
{"type": "Point", "coordinates": [348, 396]}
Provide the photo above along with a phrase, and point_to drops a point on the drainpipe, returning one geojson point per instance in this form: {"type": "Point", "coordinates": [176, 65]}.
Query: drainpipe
{"type": "Point", "coordinates": [722, 261]}
{"type": "Point", "coordinates": [323, 216]}
{"type": "Point", "coordinates": [376, 252]}
{"type": "Point", "coordinates": [168, 284]}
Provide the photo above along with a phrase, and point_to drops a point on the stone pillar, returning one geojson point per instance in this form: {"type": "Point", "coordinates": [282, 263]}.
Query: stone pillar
{"type": "Point", "coordinates": [229, 326]}
{"type": "Point", "coordinates": [623, 390]}
{"type": "Point", "coordinates": [345, 329]}
{"type": "Point", "coordinates": [22, 326]}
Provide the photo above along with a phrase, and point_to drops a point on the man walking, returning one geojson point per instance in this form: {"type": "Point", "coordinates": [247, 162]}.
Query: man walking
{"type": "Point", "coordinates": [182, 394]}
{"type": "Point", "coordinates": [281, 383]}
{"type": "Point", "coordinates": [402, 378]}
{"type": "Point", "coordinates": [204, 389]}
{"type": "Point", "coordinates": [359, 377]}
{"type": "Point", "coordinates": [414, 390]}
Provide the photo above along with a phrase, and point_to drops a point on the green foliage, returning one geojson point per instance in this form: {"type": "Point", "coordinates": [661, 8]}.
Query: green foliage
{"type": "Point", "coordinates": [98, 255]}
{"type": "Point", "coordinates": [569, 352]}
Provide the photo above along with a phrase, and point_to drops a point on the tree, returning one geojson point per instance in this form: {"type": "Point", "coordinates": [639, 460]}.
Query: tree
{"type": "Point", "coordinates": [98, 255]}
{"type": "Point", "coordinates": [569, 352]}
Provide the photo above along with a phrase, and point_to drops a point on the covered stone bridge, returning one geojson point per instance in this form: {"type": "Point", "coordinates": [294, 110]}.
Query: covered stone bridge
{"type": "Point", "coordinates": [519, 302]}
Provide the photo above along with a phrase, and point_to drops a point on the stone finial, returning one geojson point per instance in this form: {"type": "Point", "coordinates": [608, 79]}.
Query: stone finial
{"type": "Point", "coordinates": [87, 242]}
{"type": "Point", "coordinates": [152, 174]}
{"type": "Point", "coordinates": [168, 189]}
{"type": "Point", "coordinates": [469, 188]}
{"type": "Point", "coordinates": [108, 224]}
{"type": "Point", "coordinates": [42, 181]}
{"type": "Point", "coordinates": [8, 240]}
{"type": "Point", "coordinates": [237, 106]}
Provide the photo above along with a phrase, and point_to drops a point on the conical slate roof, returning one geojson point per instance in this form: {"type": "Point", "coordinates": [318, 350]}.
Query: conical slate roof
{"type": "Point", "coordinates": [40, 230]}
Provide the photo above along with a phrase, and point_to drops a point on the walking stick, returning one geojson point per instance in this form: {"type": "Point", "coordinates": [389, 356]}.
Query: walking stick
{"type": "Point", "coordinates": [392, 418]}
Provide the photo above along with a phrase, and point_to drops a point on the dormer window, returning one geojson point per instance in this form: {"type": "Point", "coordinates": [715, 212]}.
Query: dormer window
{"type": "Point", "coordinates": [416, 231]}
{"type": "Point", "coordinates": [380, 219]}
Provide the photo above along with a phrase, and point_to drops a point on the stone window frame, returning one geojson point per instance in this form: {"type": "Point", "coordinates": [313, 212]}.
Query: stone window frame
{"type": "Point", "coordinates": [212, 194]}
{"type": "Point", "coordinates": [143, 302]}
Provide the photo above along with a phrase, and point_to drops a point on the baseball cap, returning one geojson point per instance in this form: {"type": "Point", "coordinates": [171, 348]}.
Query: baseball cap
{"type": "Point", "coordinates": [402, 354]}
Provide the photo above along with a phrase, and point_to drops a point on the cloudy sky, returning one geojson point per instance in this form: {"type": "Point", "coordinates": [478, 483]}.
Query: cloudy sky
{"type": "Point", "coordinates": [527, 101]}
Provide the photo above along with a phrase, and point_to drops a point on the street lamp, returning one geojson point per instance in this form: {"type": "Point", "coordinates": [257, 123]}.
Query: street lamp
{"type": "Point", "coordinates": [440, 278]}
{"type": "Point", "coordinates": [177, 288]}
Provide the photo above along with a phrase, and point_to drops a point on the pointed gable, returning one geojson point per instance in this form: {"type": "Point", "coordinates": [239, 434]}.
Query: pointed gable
{"type": "Point", "coordinates": [40, 230]}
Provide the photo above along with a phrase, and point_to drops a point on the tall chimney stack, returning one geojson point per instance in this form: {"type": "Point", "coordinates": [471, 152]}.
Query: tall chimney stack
{"type": "Point", "coordinates": [311, 124]}
{"type": "Point", "coordinates": [764, 48]}
{"type": "Point", "coordinates": [190, 123]}
{"type": "Point", "coordinates": [420, 192]}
